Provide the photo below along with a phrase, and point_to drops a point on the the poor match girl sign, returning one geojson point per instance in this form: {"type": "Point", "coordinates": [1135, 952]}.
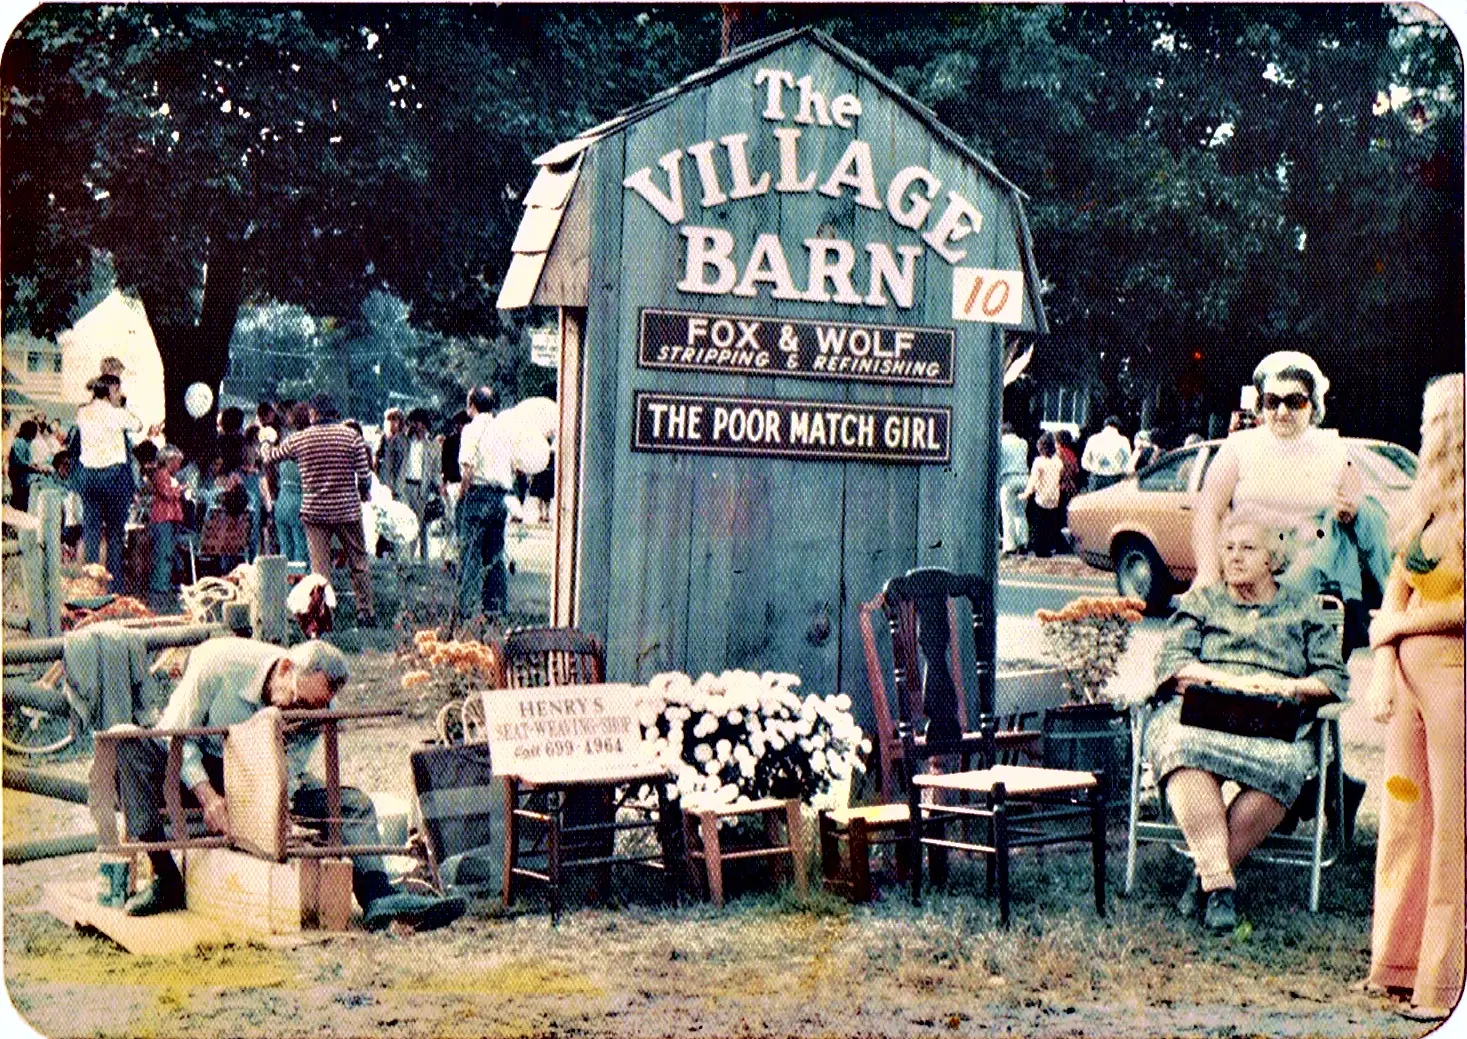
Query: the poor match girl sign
{"type": "Point", "coordinates": [784, 291]}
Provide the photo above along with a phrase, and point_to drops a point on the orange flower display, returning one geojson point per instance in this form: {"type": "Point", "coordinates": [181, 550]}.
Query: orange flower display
{"type": "Point", "coordinates": [1088, 636]}
{"type": "Point", "coordinates": [444, 671]}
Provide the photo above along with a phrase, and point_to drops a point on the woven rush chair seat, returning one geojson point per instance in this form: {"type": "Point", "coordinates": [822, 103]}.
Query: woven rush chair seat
{"type": "Point", "coordinates": [1010, 805]}
{"type": "Point", "coordinates": [859, 830]}
{"type": "Point", "coordinates": [704, 845]}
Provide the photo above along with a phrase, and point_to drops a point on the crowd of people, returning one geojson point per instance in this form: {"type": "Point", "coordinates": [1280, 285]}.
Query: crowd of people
{"type": "Point", "coordinates": [1034, 496]}
{"type": "Point", "coordinates": [293, 480]}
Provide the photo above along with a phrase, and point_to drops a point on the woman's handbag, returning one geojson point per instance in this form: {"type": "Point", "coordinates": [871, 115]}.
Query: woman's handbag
{"type": "Point", "coordinates": [1242, 714]}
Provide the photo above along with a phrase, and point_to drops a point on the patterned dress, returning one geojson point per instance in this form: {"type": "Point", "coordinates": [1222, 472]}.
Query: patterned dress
{"type": "Point", "coordinates": [1284, 638]}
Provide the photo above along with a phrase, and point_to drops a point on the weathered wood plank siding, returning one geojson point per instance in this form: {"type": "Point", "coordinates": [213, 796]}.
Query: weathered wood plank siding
{"type": "Point", "coordinates": [697, 561]}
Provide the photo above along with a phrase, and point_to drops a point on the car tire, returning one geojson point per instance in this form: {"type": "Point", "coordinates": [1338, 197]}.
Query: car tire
{"type": "Point", "coordinates": [1141, 574]}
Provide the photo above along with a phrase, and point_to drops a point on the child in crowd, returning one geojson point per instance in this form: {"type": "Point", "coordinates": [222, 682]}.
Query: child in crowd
{"type": "Point", "coordinates": [166, 516]}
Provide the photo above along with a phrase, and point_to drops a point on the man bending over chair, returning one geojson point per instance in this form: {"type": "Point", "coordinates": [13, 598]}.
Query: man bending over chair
{"type": "Point", "coordinates": [227, 681]}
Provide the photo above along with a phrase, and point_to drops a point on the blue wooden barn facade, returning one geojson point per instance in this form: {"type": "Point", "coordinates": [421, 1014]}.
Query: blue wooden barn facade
{"type": "Point", "coordinates": [784, 288]}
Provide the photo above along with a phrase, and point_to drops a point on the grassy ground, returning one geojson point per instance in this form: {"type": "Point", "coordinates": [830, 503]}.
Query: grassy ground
{"type": "Point", "coordinates": [767, 964]}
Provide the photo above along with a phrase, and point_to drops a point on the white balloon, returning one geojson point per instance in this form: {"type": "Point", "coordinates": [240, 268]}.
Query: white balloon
{"type": "Point", "coordinates": [197, 399]}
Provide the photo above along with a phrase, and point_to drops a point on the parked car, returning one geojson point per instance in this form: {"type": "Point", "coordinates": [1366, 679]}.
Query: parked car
{"type": "Point", "coordinates": [1141, 527]}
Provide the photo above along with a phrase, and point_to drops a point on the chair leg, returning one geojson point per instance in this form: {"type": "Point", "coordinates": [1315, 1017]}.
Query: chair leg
{"type": "Point", "coordinates": [917, 826]}
{"type": "Point", "coordinates": [795, 831]}
{"type": "Point", "coordinates": [555, 809]}
{"type": "Point", "coordinates": [1134, 816]}
{"type": "Point", "coordinates": [712, 858]}
{"type": "Point", "coordinates": [511, 839]}
{"type": "Point", "coordinates": [1097, 843]}
{"type": "Point", "coordinates": [859, 839]}
{"type": "Point", "coordinates": [670, 826]}
{"type": "Point", "coordinates": [1001, 852]}
{"type": "Point", "coordinates": [829, 850]}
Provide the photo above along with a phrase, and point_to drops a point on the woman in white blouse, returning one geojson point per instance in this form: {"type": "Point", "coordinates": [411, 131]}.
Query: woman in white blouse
{"type": "Point", "coordinates": [104, 479]}
{"type": "Point", "coordinates": [1044, 489]}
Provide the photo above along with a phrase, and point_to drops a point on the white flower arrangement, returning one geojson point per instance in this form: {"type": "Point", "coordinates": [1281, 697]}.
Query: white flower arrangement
{"type": "Point", "coordinates": [742, 736]}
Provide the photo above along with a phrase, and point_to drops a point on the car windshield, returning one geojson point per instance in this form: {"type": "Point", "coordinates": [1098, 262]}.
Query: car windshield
{"type": "Point", "coordinates": [1385, 465]}
{"type": "Point", "coordinates": [1171, 472]}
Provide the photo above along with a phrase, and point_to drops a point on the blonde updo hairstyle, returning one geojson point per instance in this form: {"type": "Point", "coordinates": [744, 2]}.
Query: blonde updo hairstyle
{"type": "Point", "coordinates": [1276, 536]}
{"type": "Point", "coordinates": [1433, 509]}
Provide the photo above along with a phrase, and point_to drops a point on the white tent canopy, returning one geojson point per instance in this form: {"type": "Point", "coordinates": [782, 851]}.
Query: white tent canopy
{"type": "Point", "coordinates": [116, 327]}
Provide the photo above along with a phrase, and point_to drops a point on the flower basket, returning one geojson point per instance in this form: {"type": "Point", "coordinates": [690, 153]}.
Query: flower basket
{"type": "Point", "coordinates": [740, 736]}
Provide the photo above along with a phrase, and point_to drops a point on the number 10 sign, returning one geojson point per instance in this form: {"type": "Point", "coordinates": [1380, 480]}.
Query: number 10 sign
{"type": "Point", "coordinates": [980, 294]}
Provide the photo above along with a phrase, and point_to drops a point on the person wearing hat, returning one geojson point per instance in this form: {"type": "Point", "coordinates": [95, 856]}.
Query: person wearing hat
{"type": "Point", "coordinates": [1300, 473]}
{"type": "Point", "coordinates": [227, 682]}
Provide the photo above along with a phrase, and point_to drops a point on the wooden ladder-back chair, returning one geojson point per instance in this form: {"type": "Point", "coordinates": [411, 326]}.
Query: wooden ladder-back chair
{"type": "Point", "coordinates": [1013, 805]}
{"type": "Point", "coordinates": [549, 656]}
{"type": "Point", "coordinates": [1317, 847]}
{"type": "Point", "coordinates": [1012, 741]}
{"type": "Point", "coordinates": [546, 656]}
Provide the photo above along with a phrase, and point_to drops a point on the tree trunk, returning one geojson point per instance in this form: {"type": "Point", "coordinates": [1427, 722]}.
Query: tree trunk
{"type": "Point", "coordinates": [742, 23]}
{"type": "Point", "coordinates": [198, 352]}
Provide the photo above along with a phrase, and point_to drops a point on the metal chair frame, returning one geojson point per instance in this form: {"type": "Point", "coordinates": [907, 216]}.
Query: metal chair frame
{"type": "Point", "coordinates": [1316, 850]}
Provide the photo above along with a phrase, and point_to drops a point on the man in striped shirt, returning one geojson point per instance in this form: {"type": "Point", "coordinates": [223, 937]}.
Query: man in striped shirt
{"type": "Point", "coordinates": [333, 459]}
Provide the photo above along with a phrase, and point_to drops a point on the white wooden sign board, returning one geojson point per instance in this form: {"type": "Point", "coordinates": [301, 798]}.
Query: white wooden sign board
{"type": "Point", "coordinates": [991, 296]}
{"type": "Point", "coordinates": [566, 731]}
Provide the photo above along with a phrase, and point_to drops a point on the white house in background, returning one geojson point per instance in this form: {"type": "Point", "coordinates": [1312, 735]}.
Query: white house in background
{"type": "Point", "coordinates": [32, 378]}
{"type": "Point", "coordinates": [116, 327]}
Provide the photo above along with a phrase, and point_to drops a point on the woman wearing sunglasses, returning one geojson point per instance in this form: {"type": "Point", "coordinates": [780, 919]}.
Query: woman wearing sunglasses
{"type": "Point", "coordinates": [1290, 467]}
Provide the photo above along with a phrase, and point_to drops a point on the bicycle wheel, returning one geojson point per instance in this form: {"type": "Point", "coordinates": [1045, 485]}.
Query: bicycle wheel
{"type": "Point", "coordinates": [32, 731]}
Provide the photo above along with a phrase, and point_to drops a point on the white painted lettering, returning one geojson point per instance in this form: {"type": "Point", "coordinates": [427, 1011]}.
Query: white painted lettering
{"type": "Point", "coordinates": [708, 173]}
{"type": "Point", "coordinates": [669, 204]}
{"type": "Point", "coordinates": [738, 161]}
{"type": "Point", "coordinates": [768, 264]}
{"type": "Point", "coordinates": [789, 162]}
{"type": "Point", "coordinates": [845, 108]}
{"type": "Point", "coordinates": [902, 280]}
{"type": "Point", "coordinates": [914, 214]}
{"type": "Point", "coordinates": [836, 270]}
{"type": "Point", "coordinates": [854, 170]}
{"type": "Point", "coordinates": [812, 98]}
{"type": "Point", "coordinates": [960, 219]}
{"type": "Point", "coordinates": [777, 79]}
{"type": "Point", "coordinates": [708, 247]}
{"type": "Point", "coordinates": [658, 411]}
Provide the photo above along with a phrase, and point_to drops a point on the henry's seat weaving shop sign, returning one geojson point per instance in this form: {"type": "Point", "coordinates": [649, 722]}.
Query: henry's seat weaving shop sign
{"type": "Point", "coordinates": [566, 732]}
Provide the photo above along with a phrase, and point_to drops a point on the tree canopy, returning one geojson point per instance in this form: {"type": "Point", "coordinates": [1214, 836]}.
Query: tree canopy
{"type": "Point", "coordinates": [1206, 182]}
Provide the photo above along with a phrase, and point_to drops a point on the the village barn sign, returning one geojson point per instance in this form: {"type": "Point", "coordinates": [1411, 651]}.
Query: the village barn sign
{"type": "Point", "coordinates": [784, 291]}
{"type": "Point", "coordinates": [834, 271]}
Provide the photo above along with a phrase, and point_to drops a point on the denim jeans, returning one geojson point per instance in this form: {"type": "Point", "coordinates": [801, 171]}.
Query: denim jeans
{"type": "Point", "coordinates": [289, 531]}
{"type": "Point", "coordinates": [106, 496]}
{"type": "Point", "coordinates": [165, 535]}
{"type": "Point", "coordinates": [483, 580]}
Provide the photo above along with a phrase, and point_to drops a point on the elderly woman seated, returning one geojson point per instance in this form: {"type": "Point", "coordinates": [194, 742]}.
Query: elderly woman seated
{"type": "Point", "coordinates": [1245, 632]}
